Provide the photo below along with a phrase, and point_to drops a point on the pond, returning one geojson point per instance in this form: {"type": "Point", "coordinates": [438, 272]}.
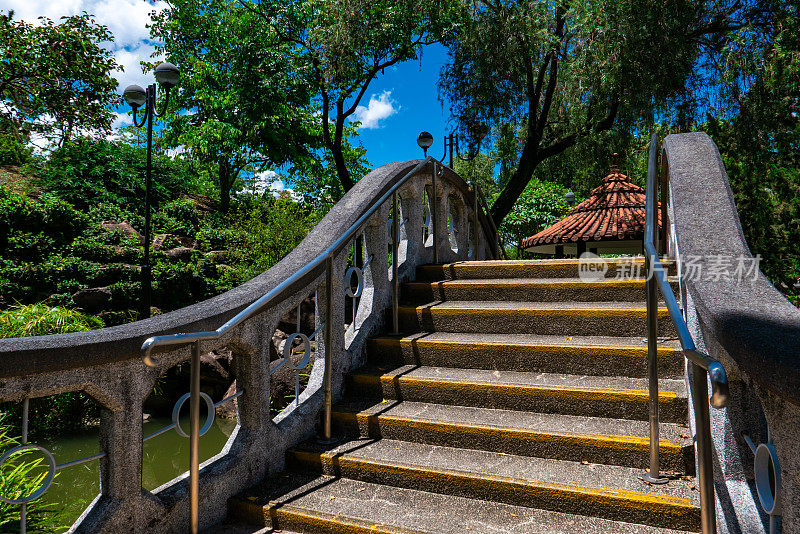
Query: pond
{"type": "Point", "coordinates": [165, 457]}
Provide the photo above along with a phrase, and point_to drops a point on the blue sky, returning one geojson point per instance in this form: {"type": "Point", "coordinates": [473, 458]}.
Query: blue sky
{"type": "Point", "coordinates": [411, 87]}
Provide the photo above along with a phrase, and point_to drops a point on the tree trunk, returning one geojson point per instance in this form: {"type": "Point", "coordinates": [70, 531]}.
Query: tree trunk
{"type": "Point", "coordinates": [224, 186]}
{"type": "Point", "coordinates": [515, 186]}
{"type": "Point", "coordinates": [341, 168]}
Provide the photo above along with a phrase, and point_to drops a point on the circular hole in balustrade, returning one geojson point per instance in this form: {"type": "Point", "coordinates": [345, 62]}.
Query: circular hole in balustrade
{"type": "Point", "coordinates": [65, 426]}
{"type": "Point", "coordinates": [166, 447]}
{"type": "Point", "coordinates": [767, 470]}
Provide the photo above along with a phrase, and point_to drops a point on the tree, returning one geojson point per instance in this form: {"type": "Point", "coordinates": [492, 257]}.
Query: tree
{"type": "Point", "coordinates": [55, 78]}
{"type": "Point", "coordinates": [316, 178]}
{"type": "Point", "coordinates": [245, 91]}
{"type": "Point", "coordinates": [760, 147]}
{"type": "Point", "coordinates": [346, 44]}
{"type": "Point", "coordinates": [563, 72]}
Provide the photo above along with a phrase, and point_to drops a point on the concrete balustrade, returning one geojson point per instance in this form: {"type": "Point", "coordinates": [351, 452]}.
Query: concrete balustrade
{"type": "Point", "coordinates": [107, 365]}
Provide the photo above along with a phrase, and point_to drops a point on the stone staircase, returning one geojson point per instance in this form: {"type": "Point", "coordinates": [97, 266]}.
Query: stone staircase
{"type": "Point", "coordinates": [515, 402]}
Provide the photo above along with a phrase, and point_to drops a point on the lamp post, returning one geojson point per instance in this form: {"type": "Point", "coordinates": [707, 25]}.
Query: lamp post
{"type": "Point", "coordinates": [425, 140]}
{"type": "Point", "coordinates": [167, 75]}
{"type": "Point", "coordinates": [569, 198]}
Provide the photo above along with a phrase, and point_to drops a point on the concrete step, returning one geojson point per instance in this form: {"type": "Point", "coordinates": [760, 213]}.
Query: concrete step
{"type": "Point", "coordinates": [595, 396]}
{"type": "Point", "coordinates": [319, 504]}
{"type": "Point", "coordinates": [565, 268]}
{"type": "Point", "coordinates": [243, 528]}
{"type": "Point", "coordinates": [609, 492]}
{"type": "Point", "coordinates": [549, 318]}
{"type": "Point", "coordinates": [562, 437]}
{"type": "Point", "coordinates": [590, 355]}
{"type": "Point", "coordinates": [526, 289]}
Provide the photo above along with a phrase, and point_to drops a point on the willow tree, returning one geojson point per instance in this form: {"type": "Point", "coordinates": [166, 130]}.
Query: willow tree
{"type": "Point", "coordinates": [563, 71]}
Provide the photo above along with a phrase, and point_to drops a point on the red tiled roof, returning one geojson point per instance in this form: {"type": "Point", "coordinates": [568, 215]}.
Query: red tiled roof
{"type": "Point", "coordinates": [614, 211]}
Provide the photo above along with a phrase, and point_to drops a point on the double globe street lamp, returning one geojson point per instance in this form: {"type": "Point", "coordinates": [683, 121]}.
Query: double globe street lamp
{"type": "Point", "coordinates": [167, 75]}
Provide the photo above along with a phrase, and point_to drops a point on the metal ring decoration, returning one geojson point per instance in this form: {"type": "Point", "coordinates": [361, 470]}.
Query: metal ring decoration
{"type": "Point", "coordinates": [359, 286]}
{"type": "Point", "coordinates": [176, 412]}
{"type": "Point", "coordinates": [287, 350]}
{"type": "Point", "coordinates": [48, 480]}
{"type": "Point", "coordinates": [767, 470]}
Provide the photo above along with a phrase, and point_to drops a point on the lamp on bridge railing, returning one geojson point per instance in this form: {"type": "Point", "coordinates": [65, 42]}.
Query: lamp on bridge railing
{"type": "Point", "coordinates": [425, 140]}
{"type": "Point", "coordinates": [167, 75]}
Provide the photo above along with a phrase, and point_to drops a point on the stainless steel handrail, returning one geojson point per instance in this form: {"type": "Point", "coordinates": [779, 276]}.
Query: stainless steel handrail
{"type": "Point", "coordinates": [326, 259]}
{"type": "Point", "coordinates": [703, 366]}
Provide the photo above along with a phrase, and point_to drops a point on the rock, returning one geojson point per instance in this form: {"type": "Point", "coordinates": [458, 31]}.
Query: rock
{"type": "Point", "coordinates": [283, 379]}
{"type": "Point", "coordinates": [229, 410]}
{"type": "Point", "coordinates": [218, 256]}
{"type": "Point", "coordinates": [123, 228]}
{"type": "Point", "coordinates": [288, 322]}
{"type": "Point", "coordinates": [92, 299]}
{"type": "Point", "coordinates": [180, 253]}
{"type": "Point", "coordinates": [188, 242]}
{"type": "Point", "coordinates": [168, 241]}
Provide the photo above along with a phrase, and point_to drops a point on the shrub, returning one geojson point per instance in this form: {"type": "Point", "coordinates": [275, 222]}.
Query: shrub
{"type": "Point", "coordinates": [40, 320]}
{"type": "Point", "coordinates": [18, 478]}
{"type": "Point", "coordinates": [177, 217]}
{"type": "Point", "coordinates": [89, 171]}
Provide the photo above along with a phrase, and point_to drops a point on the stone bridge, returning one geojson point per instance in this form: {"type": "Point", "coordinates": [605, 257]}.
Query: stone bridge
{"type": "Point", "coordinates": [452, 391]}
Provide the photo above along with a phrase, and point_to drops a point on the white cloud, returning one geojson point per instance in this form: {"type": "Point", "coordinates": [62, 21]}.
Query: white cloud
{"type": "Point", "coordinates": [126, 19]}
{"type": "Point", "coordinates": [128, 59]}
{"type": "Point", "coordinates": [378, 109]}
{"type": "Point", "coordinates": [121, 119]}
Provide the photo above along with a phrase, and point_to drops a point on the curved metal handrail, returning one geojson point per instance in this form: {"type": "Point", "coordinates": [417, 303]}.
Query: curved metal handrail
{"type": "Point", "coordinates": [324, 260]}
{"type": "Point", "coordinates": [266, 300]}
{"type": "Point", "coordinates": [719, 381]}
{"type": "Point", "coordinates": [703, 365]}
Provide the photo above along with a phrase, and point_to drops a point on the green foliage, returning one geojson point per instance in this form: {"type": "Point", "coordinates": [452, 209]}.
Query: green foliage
{"type": "Point", "coordinates": [41, 320]}
{"type": "Point", "coordinates": [316, 177]}
{"type": "Point", "coordinates": [13, 144]}
{"type": "Point", "coordinates": [247, 90]}
{"type": "Point", "coordinates": [20, 476]}
{"type": "Point", "coordinates": [55, 69]}
{"type": "Point", "coordinates": [553, 74]}
{"type": "Point", "coordinates": [88, 172]}
{"type": "Point", "coordinates": [540, 205]}
{"type": "Point", "coordinates": [177, 217]}
{"type": "Point", "coordinates": [343, 46]}
{"type": "Point", "coordinates": [268, 230]}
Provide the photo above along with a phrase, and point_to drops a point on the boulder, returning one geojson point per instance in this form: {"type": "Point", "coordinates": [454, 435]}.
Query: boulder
{"type": "Point", "coordinates": [228, 410]}
{"type": "Point", "coordinates": [168, 241]}
{"type": "Point", "coordinates": [92, 299]}
{"type": "Point", "coordinates": [218, 256]}
{"type": "Point", "coordinates": [180, 253]}
{"type": "Point", "coordinates": [282, 380]}
{"type": "Point", "coordinates": [288, 321]}
{"type": "Point", "coordinates": [123, 228]}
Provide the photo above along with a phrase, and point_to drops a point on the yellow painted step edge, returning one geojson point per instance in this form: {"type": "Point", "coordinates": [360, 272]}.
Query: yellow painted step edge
{"type": "Point", "coordinates": [586, 350]}
{"type": "Point", "coordinates": [475, 284]}
{"type": "Point", "coordinates": [304, 518]}
{"type": "Point", "coordinates": [657, 504]}
{"type": "Point", "coordinates": [638, 312]}
{"type": "Point", "coordinates": [610, 441]}
{"type": "Point", "coordinates": [555, 392]}
{"type": "Point", "coordinates": [527, 263]}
